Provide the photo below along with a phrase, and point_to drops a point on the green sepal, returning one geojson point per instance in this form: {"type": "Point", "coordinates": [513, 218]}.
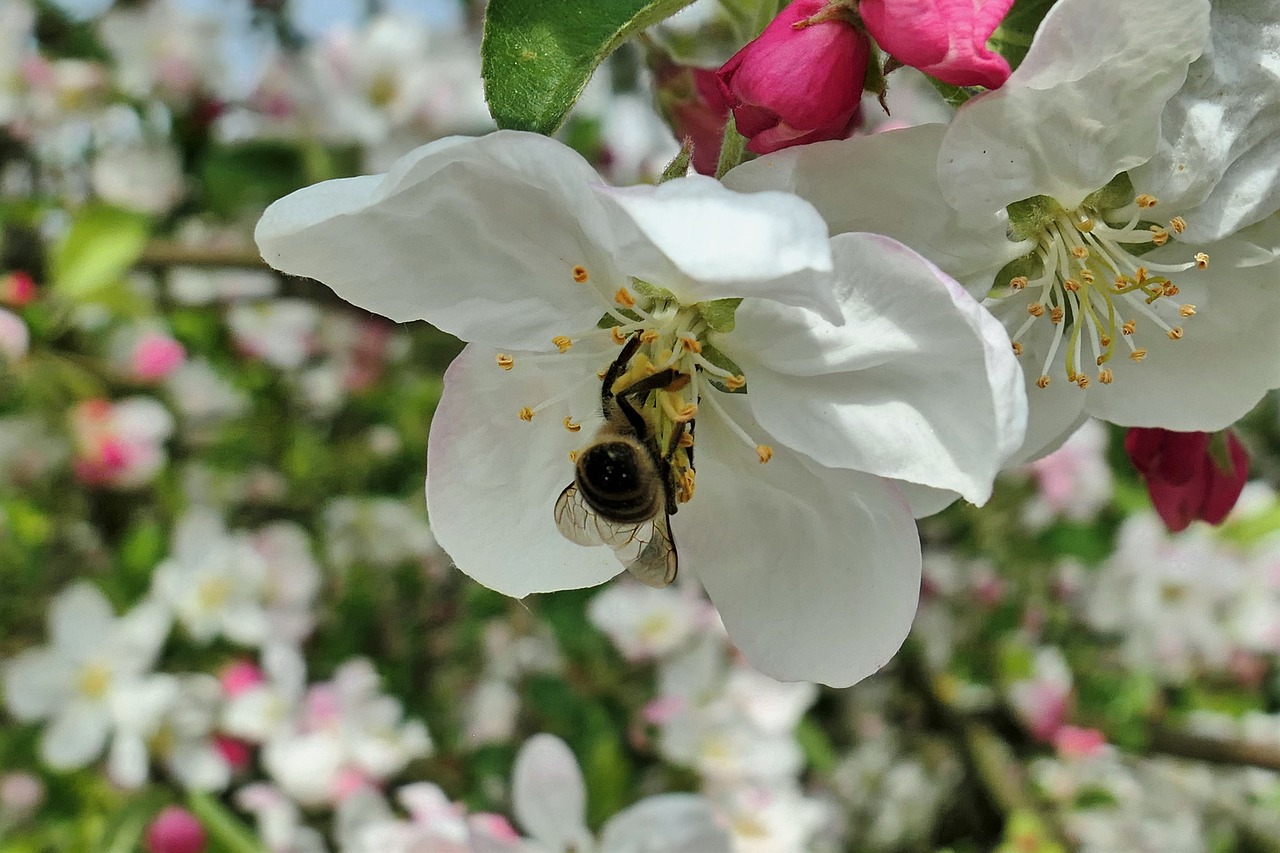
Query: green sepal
{"type": "Point", "coordinates": [719, 313]}
{"type": "Point", "coordinates": [652, 291]}
{"type": "Point", "coordinates": [1012, 39]}
{"type": "Point", "coordinates": [1028, 265]}
{"type": "Point", "coordinates": [1117, 193]}
{"type": "Point", "coordinates": [722, 361]}
{"type": "Point", "coordinates": [679, 165]}
{"type": "Point", "coordinates": [536, 56]}
{"type": "Point", "coordinates": [1029, 217]}
{"type": "Point", "coordinates": [733, 148]}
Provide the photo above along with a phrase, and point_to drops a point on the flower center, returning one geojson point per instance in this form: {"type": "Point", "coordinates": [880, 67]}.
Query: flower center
{"type": "Point", "coordinates": [1091, 285]}
{"type": "Point", "coordinates": [93, 680]}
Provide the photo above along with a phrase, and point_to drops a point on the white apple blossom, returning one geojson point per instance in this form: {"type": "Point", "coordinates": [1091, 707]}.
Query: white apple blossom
{"type": "Point", "coordinates": [1073, 482]}
{"type": "Point", "coordinates": [15, 338]}
{"type": "Point", "coordinates": [512, 242]}
{"type": "Point", "coordinates": [374, 531]}
{"type": "Point", "coordinates": [120, 444]}
{"type": "Point", "coordinates": [549, 798]}
{"type": "Point", "coordinates": [281, 332]}
{"type": "Point", "coordinates": [1066, 146]}
{"type": "Point", "coordinates": [94, 680]}
{"type": "Point", "coordinates": [644, 622]}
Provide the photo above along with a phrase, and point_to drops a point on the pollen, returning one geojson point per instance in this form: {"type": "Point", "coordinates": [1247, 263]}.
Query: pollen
{"type": "Point", "coordinates": [562, 343]}
{"type": "Point", "coordinates": [687, 486]}
{"type": "Point", "coordinates": [691, 344]}
{"type": "Point", "coordinates": [571, 425]}
{"type": "Point", "coordinates": [1159, 236]}
{"type": "Point", "coordinates": [1017, 348]}
{"type": "Point", "coordinates": [1042, 382]}
{"type": "Point", "coordinates": [1177, 225]}
{"type": "Point", "coordinates": [573, 456]}
{"type": "Point", "coordinates": [1145, 201]}
{"type": "Point", "coordinates": [1104, 340]}
{"type": "Point", "coordinates": [1071, 284]}
{"type": "Point", "coordinates": [624, 298]}
{"type": "Point", "coordinates": [1080, 252]}
{"type": "Point", "coordinates": [1129, 327]}
{"type": "Point", "coordinates": [1035, 309]}
{"type": "Point", "coordinates": [1057, 314]}
{"type": "Point", "coordinates": [505, 361]}
{"type": "Point", "coordinates": [580, 274]}
{"type": "Point", "coordinates": [1018, 282]}
{"type": "Point", "coordinates": [648, 336]}
{"type": "Point", "coordinates": [733, 383]}
{"type": "Point", "coordinates": [618, 338]}
{"type": "Point", "coordinates": [1082, 380]}
{"type": "Point", "coordinates": [1186, 310]}
{"type": "Point", "coordinates": [1170, 289]}
{"type": "Point", "coordinates": [764, 452]}
{"type": "Point", "coordinates": [526, 413]}
{"type": "Point", "coordinates": [1202, 260]}
{"type": "Point", "coordinates": [1105, 376]}
{"type": "Point", "coordinates": [1139, 354]}
{"type": "Point", "coordinates": [1175, 334]}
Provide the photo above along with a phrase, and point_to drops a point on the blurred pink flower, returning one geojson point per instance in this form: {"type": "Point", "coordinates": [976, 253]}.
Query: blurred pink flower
{"type": "Point", "coordinates": [155, 356]}
{"type": "Point", "coordinates": [176, 830]}
{"type": "Point", "coordinates": [799, 81]}
{"type": "Point", "coordinates": [1182, 476]}
{"type": "Point", "coordinates": [946, 39]}
{"type": "Point", "coordinates": [1077, 742]}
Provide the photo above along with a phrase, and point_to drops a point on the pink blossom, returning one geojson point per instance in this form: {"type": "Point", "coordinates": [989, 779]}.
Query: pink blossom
{"type": "Point", "coordinates": [691, 101]}
{"type": "Point", "coordinates": [17, 289]}
{"type": "Point", "coordinates": [176, 830]}
{"type": "Point", "coordinates": [1183, 479]}
{"type": "Point", "coordinates": [240, 677]}
{"type": "Point", "coordinates": [1077, 742]}
{"type": "Point", "coordinates": [15, 339]}
{"type": "Point", "coordinates": [237, 753]}
{"type": "Point", "coordinates": [946, 39]}
{"type": "Point", "coordinates": [800, 81]}
{"type": "Point", "coordinates": [155, 356]}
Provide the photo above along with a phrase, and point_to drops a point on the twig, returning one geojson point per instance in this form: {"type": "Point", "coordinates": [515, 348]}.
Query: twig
{"type": "Point", "coordinates": [167, 253]}
{"type": "Point", "coordinates": [1213, 750]}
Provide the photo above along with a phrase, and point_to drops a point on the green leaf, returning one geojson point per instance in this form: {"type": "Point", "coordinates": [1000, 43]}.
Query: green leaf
{"type": "Point", "coordinates": [537, 55]}
{"type": "Point", "coordinates": [99, 248]}
{"type": "Point", "coordinates": [224, 827]}
{"type": "Point", "coordinates": [719, 313]}
{"type": "Point", "coordinates": [1013, 37]}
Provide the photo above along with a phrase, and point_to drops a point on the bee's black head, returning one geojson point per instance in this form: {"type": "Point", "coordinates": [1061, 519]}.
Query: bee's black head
{"type": "Point", "coordinates": [618, 480]}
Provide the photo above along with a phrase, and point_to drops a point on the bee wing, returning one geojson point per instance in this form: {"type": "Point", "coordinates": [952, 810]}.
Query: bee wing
{"type": "Point", "coordinates": [582, 525]}
{"type": "Point", "coordinates": [656, 564]}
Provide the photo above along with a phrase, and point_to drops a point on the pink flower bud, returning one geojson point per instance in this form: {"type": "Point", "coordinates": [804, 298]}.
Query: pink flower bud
{"type": "Point", "coordinates": [800, 81]}
{"type": "Point", "coordinates": [240, 676]}
{"type": "Point", "coordinates": [943, 38]}
{"type": "Point", "coordinates": [1182, 477]}
{"type": "Point", "coordinates": [155, 356]}
{"type": "Point", "coordinates": [17, 289]}
{"type": "Point", "coordinates": [1077, 742]}
{"type": "Point", "coordinates": [691, 102]}
{"type": "Point", "coordinates": [237, 753]}
{"type": "Point", "coordinates": [176, 830]}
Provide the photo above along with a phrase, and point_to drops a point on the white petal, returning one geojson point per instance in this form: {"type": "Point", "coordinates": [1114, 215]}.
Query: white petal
{"type": "Point", "coordinates": [1082, 107]}
{"type": "Point", "coordinates": [37, 682]}
{"type": "Point", "coordinates": [1054, 412]}
{"type": "Point", "coordinates": [1228, 358]}
{"type": "Point", "coordinates": [139, 705]}
{"type": "Point", "coordinates": [1220, 143]}
{"type": "Point", "coordinates": [80, 619]}
{"type": "Point", "coordinates": [75, 736]}
{"type": "Point", "coordinates": [919, 383]}
{"type": "Point", "coordinates": [548, 794]}
{"type": "Point", "coordinates": [669, 823]}
{"type": "Point", "coordinates": [127, 762]}
{"type": "Point", "coordinates": [815, 571]}
{"type": "Point", "coordinates": [702, 242]}
{"type": "Point", "coordinates": [848, 181]}
{"type": "Point", "coordinates": [493, 479]}
{"type": "Point", "coordinates": [478, 236]}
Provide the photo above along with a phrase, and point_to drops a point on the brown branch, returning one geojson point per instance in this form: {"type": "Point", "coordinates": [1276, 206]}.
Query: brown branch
{"type": "Point", "coordinates": [1213, 750]}
{"type": "Point", "coordinates": [168, 253]}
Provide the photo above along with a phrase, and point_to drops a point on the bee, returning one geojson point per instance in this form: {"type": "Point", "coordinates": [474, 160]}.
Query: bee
{"type": "Point", "coordinates": [623, 492]}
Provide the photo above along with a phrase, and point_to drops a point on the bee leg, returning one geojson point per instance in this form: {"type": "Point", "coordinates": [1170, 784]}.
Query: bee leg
{"type": "Point", "coordinates": [615, 370]}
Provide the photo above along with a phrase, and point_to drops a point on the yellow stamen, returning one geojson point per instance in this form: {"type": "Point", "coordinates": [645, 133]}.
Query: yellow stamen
{"type": "Point", "coordinates": [1159, 236]}
{"type": "Point", "coordinates": [1042, 382]}
{"type": "Point", "coordinates": [1139, 354]}
{"type": "Point", "coordinates": [1105, 376]}
{"type": "Point", "coordinates": [570, 425]}
{"type": "Point", "coordinates": [1178, 224]}
{"type": "Point", "coordinates": [618, 337]}
{"type": "Point", "coordinates": [1056, 315]}
{"type": "Point", "coordinates": [573, 456]}
{"type": "Point", "coordinates": [733, 383]}
{"type": "Point", "coordinates": [765, 452]}
{"type": "Point", "coordinates": [526, 414]}
{"type": "Point", "coordinates": [505, 361]}
{"type": "Point", "coordinates": [1175, 334]}
{"type": "Point", "coordinates": [562, 343]}
{"type": "Point", "coordinates": [580, 274]}
{"type": "Point", "coordinates": [1145, 201]}
{"type": "Point", "coordinates": [1035, 309]}
{"type": "Point", "coordinates": [1018, 282]}
{"type": "Point", "coordinates": [1129, 327]}
{"type": "Point", "coordinates": [648, 336]}
{"type": "Point", "coordinates": [1071, 284]}
{"type": "Point", "coordinates": [686, 439]}
{"type": "Point", "coordinates": [1186, 310]}
{"type": "Point", "coordinates": [1017, 348]}
{"type": "Point", "coordinates": [1202, 260]}
{"type": "Point", "coordinates": [1082, 380]}
{"type": "Point", "coordinates": [691, 344]}
{"type": "Point", "coordinates": [1080, 252]}
{"type": "Point", "coordinates": [624, 298]}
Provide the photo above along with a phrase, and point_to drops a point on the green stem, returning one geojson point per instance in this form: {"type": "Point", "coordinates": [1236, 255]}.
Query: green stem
{"type": "Point", "coordinates": [733, 149]}
{"type": "Point", "coordinates": [223, 827]}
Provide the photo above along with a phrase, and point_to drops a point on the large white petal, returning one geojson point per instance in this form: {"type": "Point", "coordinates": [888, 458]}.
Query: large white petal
{"type": "Point", "coordinates": [80, 620]}
{"type": "Point", "coordinates": [1219, 154]}
{"type": "Point", "coordinates": [493, 479]}
{"type": "Point", "coordinates": [1228, 358]}
{"type": "Point", "coordinates": [918, 383]}
{"type": "Point", "coordinates": [36, 682]}
{"type": "Point", "coordinates": [479, 236]}
{"type": "Point", "coordinates": [702, 241]}
{"type": "Point", "coordinates": [1082, 107]}
{"type": "Point", "coordinates": [76, 735]}
{"type": "Point", "coordinates": [669, 823]}
{"type": "Point", "coordinates": [815, 571]}
{"type": "Point", "coordinates": [549, 795]}
{"type": "Point", "coordinates": [849, 180]}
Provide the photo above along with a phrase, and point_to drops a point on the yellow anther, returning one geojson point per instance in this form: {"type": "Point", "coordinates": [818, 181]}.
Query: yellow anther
{"type": "Point", "coordinates": [687, 486]}
{"type": "Point", "coordinates": [1056, 315]}
{"type": "Point", "coordinates": [1071, 284]}
{"type": "Point", "coordinates": [1187, 310]}
{"type": "Point", "coordinates": [562, 343]}
{"type": "Point", "coordinates": [765, 452]}
{"type": "Point", "coordinates": [580, 274]}
{"type": "Point", "coordinates": [1159, 236]}
{"type": "Point", "coordinates": [1105, 376]}
{"type": "Point", "coordinates": [624, 298]}
{"type": "Point", "coordinates": [1138, 355]}
{"type": "Point", "coordinates": [1177, 225]}
{"type": "Point", "coordinates": [1175, 334]}
{"type": "Point", "coordinates": [691, 344]}
{"type": "Point", "coordinates": [526, 414]}
{"type": "Point", "coordinates": [1105, 340]}
{"type": "Point", "coordinates": [1017, 348]}
{"type": "Point", "coordinates": [1018, 282]}
{"type": "Point", "coordinates": [1170, 289]}
{"type": "Point", "coordinates": [1202, 260]}
{"type": "Point", "coordinates": [686, 439]}
{"type": "Point", "coordinates": [1140, 274]}
{"type": "Point", "coordinates": [1129, 327]}
{"type": "Point", "coordinates": [573, 456]}
{"type": "Point", "coordinates": [1087, 276]}
{"type": "Point", "coordinates": [505, 361]}
{"type": "Point", "coordinates": [1035, 309]}
{"type": "Point", "coordinates": [570, 425]}
{"type": "Point", "coordinates": [1082, 380]}
{"type": "Point", "coordinates": [618, 337]}
{"type": "Point", "coordinates": [1042, 382]}
{"type": "Point", "coordinates": [1145, 201]}
{"type": "Point", "coordinates": [1081, 252]}
{"type": "Point", "coordinates": [676, 408]}
{"type": "Point", "coordinates": [1083, 221]}
{"type": "Point", "coordinates": [648, 336]}
{"type": "Point", "coordinates": [1100, 360]}
{"type": "Point", "coordinates": [601, 372]}
{"type": "Point", "coordinates": [733, 383]}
